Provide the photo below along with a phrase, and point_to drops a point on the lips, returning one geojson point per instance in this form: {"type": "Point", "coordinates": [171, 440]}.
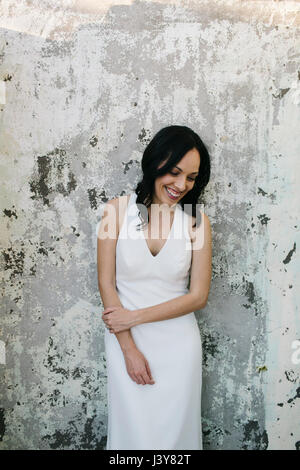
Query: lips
{"type": "Point", "coordinates": [173, 190]}
{"type": "Point", "coordinates": [170, 193]}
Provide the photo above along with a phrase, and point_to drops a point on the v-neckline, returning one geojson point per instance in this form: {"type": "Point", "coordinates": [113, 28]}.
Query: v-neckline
{"type": "Point", "coordinates": [167, 239]}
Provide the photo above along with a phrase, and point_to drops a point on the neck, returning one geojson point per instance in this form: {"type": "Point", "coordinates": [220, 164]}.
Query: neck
{"type": "Point", "coordinates": [163, 206]}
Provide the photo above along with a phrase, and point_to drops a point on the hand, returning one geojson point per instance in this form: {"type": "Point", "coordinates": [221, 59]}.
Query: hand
{"type": "Point", "coordinates": [138, 367]}
{"type": "Point", "coordinates": [118, 319]}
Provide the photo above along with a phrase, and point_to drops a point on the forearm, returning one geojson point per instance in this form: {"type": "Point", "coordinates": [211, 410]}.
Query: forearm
{"type": "Point", "coordinates": [110, 298]}
{"type": "Point", "coordinates": [176, 307]}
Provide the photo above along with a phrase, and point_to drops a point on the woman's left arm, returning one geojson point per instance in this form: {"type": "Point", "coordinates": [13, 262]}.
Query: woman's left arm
{"type": "Point", "coordinates": [195, 299]}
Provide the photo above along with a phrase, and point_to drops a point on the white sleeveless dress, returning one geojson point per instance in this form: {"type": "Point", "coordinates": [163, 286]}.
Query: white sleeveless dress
{"type": "Point", "coordinates": [167, 414]}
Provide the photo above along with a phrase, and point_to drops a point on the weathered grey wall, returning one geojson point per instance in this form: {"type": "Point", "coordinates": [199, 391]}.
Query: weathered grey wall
{"type": "Point", "coordinates": [82, 91]}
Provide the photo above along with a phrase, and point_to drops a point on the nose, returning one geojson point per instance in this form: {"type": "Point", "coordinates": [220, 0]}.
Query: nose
{"type": "Point", "coordinates": [180, 183]}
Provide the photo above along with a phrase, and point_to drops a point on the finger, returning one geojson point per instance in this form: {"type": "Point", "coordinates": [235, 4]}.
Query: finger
{"type": "Point", "coordinates": [148, 369]}
{"type": "Point", "coordinates": [149, 372]}
{"type": "Point", "coordinates": [143, 382]}
{"type": "Point", "coordinates": [146, 378]}
{"type": "Point", "coordinates": [105, 312]}
{"type": "Point", "coordinates": [135, 378]}
{"type": "Point", "coordinates": [109, 309]}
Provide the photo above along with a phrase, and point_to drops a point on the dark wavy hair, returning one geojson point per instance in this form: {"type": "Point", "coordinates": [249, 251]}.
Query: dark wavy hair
{"type": "Point", "coordinates": [171, 143]}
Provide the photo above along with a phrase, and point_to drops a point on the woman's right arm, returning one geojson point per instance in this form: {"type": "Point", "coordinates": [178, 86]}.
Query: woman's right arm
{"type": "Point", "coordinates": [106, 261]}
{"type": "Point", "coordinates": [136, 364]}
{"type": "Point", "coordinates": [110, 297]}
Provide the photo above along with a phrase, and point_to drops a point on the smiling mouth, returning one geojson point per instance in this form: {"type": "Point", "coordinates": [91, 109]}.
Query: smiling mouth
{"type": "Point", "coordinates": [172, 194]}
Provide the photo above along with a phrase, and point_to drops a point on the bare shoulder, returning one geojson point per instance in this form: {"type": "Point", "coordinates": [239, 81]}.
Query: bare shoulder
{"type": "Point", "coordinates": [118, 201]}
{"type": "Point", "coordinates": [119, 204]}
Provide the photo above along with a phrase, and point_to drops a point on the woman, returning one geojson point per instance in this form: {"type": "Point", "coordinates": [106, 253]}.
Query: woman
{"type": "Point", "coordinates": [150, 287]}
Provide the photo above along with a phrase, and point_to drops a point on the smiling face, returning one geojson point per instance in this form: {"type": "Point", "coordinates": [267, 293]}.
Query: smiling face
{"type": "Point", "coordinates": [173, 186]}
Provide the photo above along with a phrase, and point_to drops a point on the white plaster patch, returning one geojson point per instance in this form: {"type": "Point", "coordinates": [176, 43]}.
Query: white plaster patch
{"type": "Point", "coordinates": [2, 353]}
{"type": "Point", "coordinates": [295, 92]}
{"type": "Point", "coordinates": [296, 354]}
{"type": "Point", "coordinates": [2, 92]}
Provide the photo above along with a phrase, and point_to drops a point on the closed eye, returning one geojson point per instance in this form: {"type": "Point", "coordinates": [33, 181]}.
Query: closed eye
{"type": "Point", "coordinates": [176, 174]}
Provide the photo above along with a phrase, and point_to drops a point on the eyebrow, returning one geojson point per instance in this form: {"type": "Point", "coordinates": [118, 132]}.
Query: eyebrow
{"type": "Point", "coordinates": [194, 172]}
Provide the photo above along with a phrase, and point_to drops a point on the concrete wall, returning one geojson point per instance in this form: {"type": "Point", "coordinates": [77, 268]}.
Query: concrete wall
{"type": "Point", "coordinates": [83, 89]}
